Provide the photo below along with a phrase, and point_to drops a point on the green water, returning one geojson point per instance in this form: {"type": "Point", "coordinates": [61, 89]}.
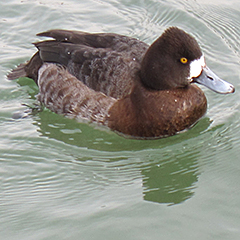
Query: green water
{"type": "Point", "coordinates": [60, 179]}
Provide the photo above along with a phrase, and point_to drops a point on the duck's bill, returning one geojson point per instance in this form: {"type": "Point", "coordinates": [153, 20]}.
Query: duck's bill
{"type": "Point", "coordinates": [212, 81]}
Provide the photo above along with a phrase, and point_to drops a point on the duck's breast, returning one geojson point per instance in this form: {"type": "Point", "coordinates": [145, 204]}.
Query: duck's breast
{"type": "Point", "coordinates": [154, 114]}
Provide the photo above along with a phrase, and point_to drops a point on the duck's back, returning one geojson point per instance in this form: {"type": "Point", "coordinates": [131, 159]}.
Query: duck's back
{"type": "Point", "coordinates": [107, 63]}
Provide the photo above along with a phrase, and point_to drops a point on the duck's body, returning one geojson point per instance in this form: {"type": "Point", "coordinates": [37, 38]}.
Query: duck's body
{"type": "Point", "coordinates": [121, 82]}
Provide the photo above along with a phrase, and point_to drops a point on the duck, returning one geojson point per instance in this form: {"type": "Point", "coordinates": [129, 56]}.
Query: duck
{"type": "Point", "coordinates": [136, 90]}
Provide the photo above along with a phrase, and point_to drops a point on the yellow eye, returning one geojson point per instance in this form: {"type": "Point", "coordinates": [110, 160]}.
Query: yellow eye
{"type": "Point", "coordinates": [183, 60]}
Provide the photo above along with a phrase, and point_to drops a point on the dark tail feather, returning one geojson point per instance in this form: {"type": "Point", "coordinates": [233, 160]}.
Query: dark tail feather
{"type": "Point", "coordinates": [18, 72]}
{"type": "Point", "coordinates": [29, 69]}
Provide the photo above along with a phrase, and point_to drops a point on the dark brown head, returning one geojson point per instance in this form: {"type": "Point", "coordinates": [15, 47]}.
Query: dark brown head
{"type": "Point", "coordinates": [175, 60]}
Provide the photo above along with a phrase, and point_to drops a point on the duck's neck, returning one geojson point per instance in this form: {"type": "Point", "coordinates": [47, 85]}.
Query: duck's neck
{"type": "Point", "coordinates": [153, 74]}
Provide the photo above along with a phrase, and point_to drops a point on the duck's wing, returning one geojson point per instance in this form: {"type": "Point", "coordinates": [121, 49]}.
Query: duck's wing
{"type": "Point", "coordinates": [102, 69]}
{"type": "Point", "coordinates": [116, 42]}
{"type": "Point", "coordinates": [64, 94]}
{"type": "Point", "coordinates": [102, 40]}
{"type": "Point", "coordinates": [105, 62]}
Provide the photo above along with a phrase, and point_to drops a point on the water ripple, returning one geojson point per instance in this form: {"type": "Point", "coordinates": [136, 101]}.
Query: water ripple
{"type": "Point", "coordinates": [63, 179]}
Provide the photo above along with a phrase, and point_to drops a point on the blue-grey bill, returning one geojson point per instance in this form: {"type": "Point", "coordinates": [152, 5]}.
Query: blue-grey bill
{"type": "Point", "coordinates": [213, 82]}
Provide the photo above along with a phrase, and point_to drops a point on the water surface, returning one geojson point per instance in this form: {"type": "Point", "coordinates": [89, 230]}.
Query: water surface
{"type": "Point", "coordinates": [66, 180]}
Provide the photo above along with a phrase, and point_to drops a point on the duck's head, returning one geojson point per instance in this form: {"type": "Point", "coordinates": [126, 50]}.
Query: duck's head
{"type": "Point", "coordinates": [175, 60]}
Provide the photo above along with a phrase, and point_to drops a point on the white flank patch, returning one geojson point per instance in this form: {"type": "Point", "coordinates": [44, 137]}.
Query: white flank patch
{"type": "Point", "coordinates": [196, 67]}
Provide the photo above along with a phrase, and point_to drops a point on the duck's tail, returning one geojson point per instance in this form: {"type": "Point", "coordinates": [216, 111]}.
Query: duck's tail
{"type": "Point", "coordinates": [18, 72]}
{"type": "Point", "coordinates": [28, 69]}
